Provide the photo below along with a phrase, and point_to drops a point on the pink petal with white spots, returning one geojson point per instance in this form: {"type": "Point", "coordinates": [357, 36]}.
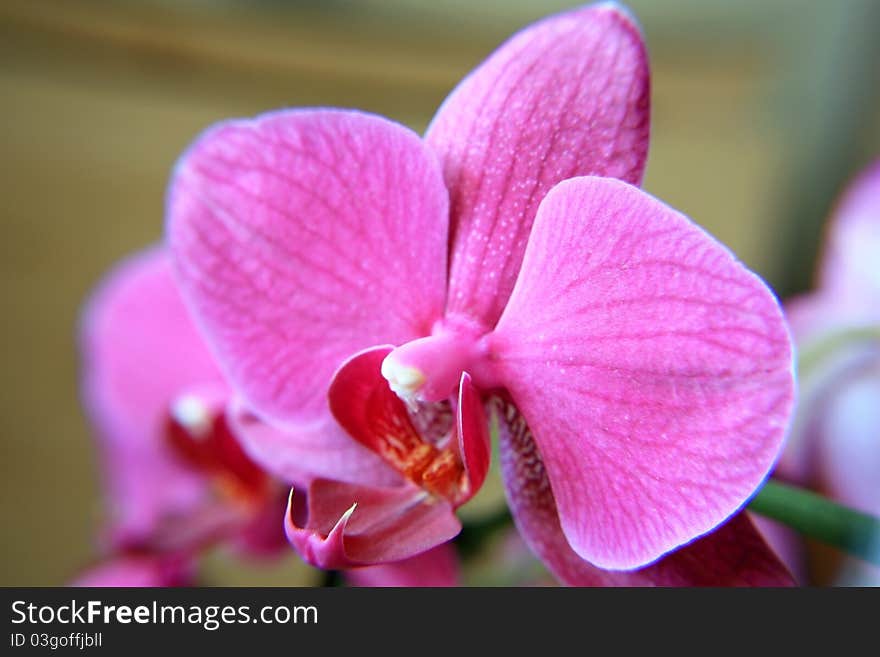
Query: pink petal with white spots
{"type": "Point", "coordinates": [732, 555]}
{"type": "Point", "coordinates": [336, 525]}
{"type": "Point", "coordinates": [139, 352]}
{"type": "Point", "coordinates": [653, 368]}
{"type": "Point", "coordinates": [568, 96]}
{"type": "Point", "coordinates": [435, 568]}
{"type": "Point", "coordinates": [302, 237]}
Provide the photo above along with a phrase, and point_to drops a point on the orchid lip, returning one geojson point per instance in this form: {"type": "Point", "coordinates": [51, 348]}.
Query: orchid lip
{"type": "Point", "coordinates": [441, 455]}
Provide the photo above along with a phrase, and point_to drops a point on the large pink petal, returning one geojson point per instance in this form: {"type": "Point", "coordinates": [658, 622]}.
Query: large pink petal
{"type": "Point", "coordinates": [140, 351]}
{"type": "Point", "coordinates": [435, 568]}
{"type": "Point", "coordinates": [653, 368]}
{"type": "Point", "coordinates": [337, 525]}
{"type": "Point", "coordinates": [568, 96]}
{"type": "Point", "coordinates": [302, 237]}
{"type": "Point", "coordinates": [732, 555]}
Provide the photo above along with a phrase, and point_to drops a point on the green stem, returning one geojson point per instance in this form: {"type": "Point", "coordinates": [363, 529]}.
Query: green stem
{"type": "Point", "coordinates": [818, 517]}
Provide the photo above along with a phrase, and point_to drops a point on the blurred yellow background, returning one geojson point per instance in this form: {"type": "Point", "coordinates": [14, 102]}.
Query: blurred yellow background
{"type": "Point", "coordinates": [761, 111]}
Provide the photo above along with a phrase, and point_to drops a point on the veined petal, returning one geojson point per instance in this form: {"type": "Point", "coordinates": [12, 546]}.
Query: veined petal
{"type": "Point", "coordinates": [732, 555]}
{"type": "Point", "coordinates": [337, 525]}
{"type": "Point", "coordinates": [568, 96]}
{"type": "Point", "coordinates": [302, 237]}
{"type": "Point", "coordinates": [653, 368]}
{"type": "Point", "coordinates": [435, 568]}
{"type": "Point", "coordinates": [139, 351]}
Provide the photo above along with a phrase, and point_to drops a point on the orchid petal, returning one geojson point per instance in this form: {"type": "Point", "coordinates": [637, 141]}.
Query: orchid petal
{"type": "Point", "coordinates": [302, 237]}
{"type": "Point", "coordinates": [338, 525]}
{"type": "Point", "coordinates": [733, 555]}
{"type": "Point", "coordinates": [653, 368]}
{"type": "Point", "coordinates": [140, 350]}
{"type": "Point", "coordinates": [568, 96]}
{"type": "Point", "coordinates": [299, 455]}
{"type": "Point", "coordinates": [437, 567]}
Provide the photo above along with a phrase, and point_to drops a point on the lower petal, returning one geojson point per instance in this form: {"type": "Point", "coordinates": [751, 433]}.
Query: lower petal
{"type": "Point", "coordinates": [654, 369]}
{"type": "Point", "coordinates": [337, 525]}
{"type": "Point", "coordinates": [733, 555]}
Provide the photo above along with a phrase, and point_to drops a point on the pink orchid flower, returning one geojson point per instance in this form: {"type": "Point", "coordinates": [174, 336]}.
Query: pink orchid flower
{"type": "Point", "coordinates": [176, 477]}
{"type": "Point", "coordinates": [835, 442]}
{"type": "Point", "coordinates": [376, 298]}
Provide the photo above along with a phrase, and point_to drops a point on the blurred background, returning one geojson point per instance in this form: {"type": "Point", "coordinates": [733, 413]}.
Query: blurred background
{"type": "Point", "coordinates": [761, 111]}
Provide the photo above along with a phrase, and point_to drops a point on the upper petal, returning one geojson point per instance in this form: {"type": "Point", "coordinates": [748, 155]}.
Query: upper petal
{"type": "Point", "coordinates": [302, 237]}
{"type": "Point", "coordinates": [139, 351]}
{"type": "Point", "coordinates": [653, 368]}
{"type": "Point", "coordinates": [733, 555]}
{"type": "Point", "coordinates": [568, 96]}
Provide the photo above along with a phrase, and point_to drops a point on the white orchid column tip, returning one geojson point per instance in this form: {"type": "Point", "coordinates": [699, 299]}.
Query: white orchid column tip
{"type": "Point", "coordinates": [193, 414]}
{"type": "Point", "coordinates": [404, 380]}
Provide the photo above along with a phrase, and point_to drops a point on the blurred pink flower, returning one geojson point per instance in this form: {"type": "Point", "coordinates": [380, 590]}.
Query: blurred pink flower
{"type": "Point", "coordinates": [350, 275]}
{"type": "Point", "coordinates": [839, 323]}
{"type": "Point", "coordinates": [176, 478]}
{"type": "Point", "coordinates": [835, 443]}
